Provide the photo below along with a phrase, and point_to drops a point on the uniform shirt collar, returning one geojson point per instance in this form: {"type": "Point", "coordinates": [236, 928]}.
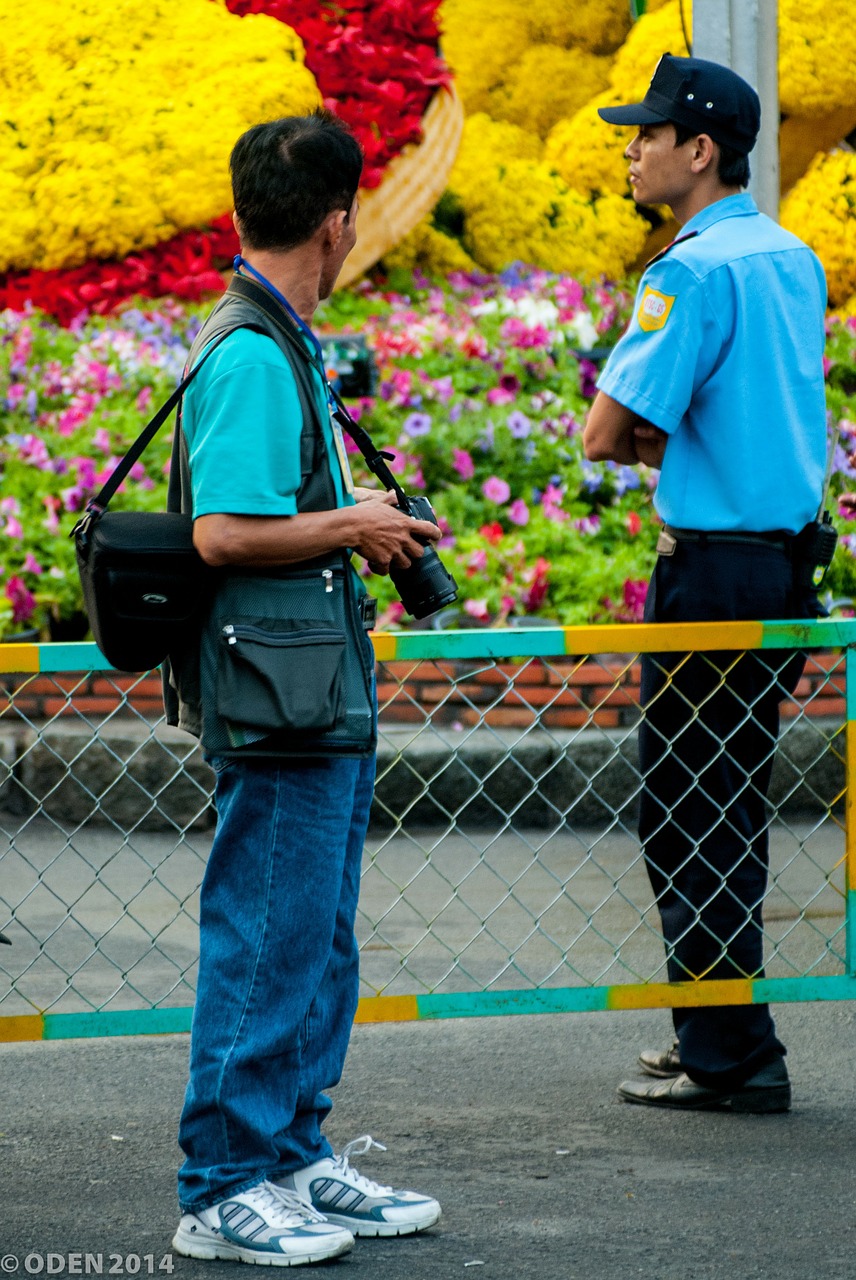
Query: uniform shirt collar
{"type": "Point", "coordinates": [739, 206]}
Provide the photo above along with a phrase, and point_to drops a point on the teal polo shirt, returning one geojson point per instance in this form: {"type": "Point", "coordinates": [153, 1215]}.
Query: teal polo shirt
{"type": "Point", "coordinates": [242, 421]}
{"type": "Point", "coordinates": [725, 354]}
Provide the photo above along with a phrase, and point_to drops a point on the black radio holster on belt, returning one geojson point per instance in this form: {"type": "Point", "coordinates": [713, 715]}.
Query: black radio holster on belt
{"type": "Point", "coordinates": [813, 549]}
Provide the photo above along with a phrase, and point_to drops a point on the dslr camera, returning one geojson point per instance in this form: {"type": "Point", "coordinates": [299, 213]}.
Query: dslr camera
{"type": "Point", "coordinates": [426, 585]}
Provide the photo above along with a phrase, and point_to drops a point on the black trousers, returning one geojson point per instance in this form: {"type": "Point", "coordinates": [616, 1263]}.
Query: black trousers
{"type": "Point", "coordinates": [706, 750]}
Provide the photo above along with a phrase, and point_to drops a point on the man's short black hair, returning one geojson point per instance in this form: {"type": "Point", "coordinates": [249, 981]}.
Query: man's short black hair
{"type": "Point", "coordinates": [289, 174]}
{"type": "Point", "coordinates": [732, 169]}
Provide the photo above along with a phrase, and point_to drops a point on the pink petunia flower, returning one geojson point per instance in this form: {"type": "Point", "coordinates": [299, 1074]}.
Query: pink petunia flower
{"type": "Point", "coordinates": [53, 506]}
{"type": "Point", "coordinates": [496, 490]}
{"type": "Point", "coordinates": [22, 600]}
{"type": "Point", "coordinates": [635, 591]}
{"type": "Point", "coordinates": [518, 512]}
{"type": "Point", "coordinates": [463, 464]}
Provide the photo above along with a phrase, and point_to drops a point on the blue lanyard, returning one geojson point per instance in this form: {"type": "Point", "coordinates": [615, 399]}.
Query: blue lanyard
{"type": "Point", "coordinates": [239, 264]}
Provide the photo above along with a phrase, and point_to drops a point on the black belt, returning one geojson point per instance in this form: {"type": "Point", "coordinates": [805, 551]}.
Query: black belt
{"type": "Point", "coordinates": [670, 536]}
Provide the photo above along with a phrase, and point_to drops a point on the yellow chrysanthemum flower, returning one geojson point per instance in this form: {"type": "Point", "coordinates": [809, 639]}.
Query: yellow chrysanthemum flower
{"type": "Point", "coordinates": [597, 25]}
{"type": "Point", "coordinates": [431, 250]}
{"type": "Point", "coordinates": [587, 152]}
{"type": "Point", "coordinates": [477, 37]}
{"type": "Point", "coordinates": [817, 56]}
{"type": "Point", "coordinates": [486, 144]}
{"type": "Point", "coordinates": [653, 35]}
{"type": "Point", "coordinates": [546, 85]}
{"type": "Point", "coordinates": [118, 121]}
{"type": "Point", "coordinates": [517, 208]}
{"type": "Point", "coordinates": [821, 209]}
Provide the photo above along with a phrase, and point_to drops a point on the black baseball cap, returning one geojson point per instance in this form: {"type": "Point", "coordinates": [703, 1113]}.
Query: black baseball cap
{"type": "Point", "coordinates": [702, 96]}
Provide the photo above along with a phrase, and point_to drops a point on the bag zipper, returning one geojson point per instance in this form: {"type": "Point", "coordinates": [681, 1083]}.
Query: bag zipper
{"type": "Point", "coordinates": [244, 631]}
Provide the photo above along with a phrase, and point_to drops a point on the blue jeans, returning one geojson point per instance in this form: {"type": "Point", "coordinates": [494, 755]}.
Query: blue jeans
{"type": "Point", "coordinates": [278, 971]}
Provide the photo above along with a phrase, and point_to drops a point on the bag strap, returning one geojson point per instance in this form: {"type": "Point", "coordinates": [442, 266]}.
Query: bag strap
{"type": "Point", "coordinates": [147, 435]}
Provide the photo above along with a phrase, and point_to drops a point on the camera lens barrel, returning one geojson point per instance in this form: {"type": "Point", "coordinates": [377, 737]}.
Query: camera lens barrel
{"type": "Point", "coordinates": [426, 585]}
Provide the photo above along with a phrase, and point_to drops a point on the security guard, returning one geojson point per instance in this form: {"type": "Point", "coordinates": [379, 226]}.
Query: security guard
{"type": "Point", "coordinates": [719, 382]}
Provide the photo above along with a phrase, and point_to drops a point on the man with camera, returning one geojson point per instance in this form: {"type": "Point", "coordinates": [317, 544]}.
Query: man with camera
{"type": "Point", "coordinates": [280, 688]}
{"type": "Point", "coordinates": [719, 382]}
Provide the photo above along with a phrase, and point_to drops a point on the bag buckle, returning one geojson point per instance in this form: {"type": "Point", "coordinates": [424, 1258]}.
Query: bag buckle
{"type": "Point", "coordinates": [368, 612]}
{"type": "Point", "coordinates": [81, 529]}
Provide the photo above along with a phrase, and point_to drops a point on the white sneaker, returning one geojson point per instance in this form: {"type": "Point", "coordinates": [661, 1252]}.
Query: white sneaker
{"type": "Point", "coordinates": [265, 1225]}
{"type": "Point", "coordinates": [366, 1208]}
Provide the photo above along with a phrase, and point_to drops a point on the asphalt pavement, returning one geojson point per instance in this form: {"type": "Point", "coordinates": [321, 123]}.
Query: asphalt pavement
{"type": "Point", "coordinates": [513, 1123]}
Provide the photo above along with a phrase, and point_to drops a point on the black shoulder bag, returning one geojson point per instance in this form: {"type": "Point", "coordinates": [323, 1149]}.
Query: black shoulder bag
{"type": "Point", "coordinates": [144, 583]}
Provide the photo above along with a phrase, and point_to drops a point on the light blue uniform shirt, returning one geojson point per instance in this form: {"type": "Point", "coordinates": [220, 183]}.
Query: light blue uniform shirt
{"type": "Point", "coordinates": [725, 354]}
{"type": "Point", "coordinates": [242, 421]}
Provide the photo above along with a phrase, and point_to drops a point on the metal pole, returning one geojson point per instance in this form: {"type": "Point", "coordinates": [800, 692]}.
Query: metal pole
{"type": "Point", "coordinates": [743, 35]}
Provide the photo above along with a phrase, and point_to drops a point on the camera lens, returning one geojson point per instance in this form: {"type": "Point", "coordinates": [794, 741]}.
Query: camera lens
{"type": "Point", "coordinates": [426, 586]}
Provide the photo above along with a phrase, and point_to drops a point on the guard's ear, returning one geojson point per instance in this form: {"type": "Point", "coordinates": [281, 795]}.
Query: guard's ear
{"type": "Point", "coordinates": [704, 153]}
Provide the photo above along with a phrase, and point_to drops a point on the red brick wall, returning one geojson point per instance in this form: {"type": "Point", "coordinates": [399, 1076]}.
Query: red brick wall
{"type": "Point", "coordinates": [566, 693]}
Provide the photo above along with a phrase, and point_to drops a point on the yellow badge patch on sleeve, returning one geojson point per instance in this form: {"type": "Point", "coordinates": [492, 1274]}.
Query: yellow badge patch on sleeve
{"type": "Point", "coordinates": [654, 309]}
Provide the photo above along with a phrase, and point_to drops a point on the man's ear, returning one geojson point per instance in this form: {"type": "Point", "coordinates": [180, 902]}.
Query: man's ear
{"type": "Point", "coordinates": [334, 225]}
{"type": "Point", "coordinates": [236, 223]}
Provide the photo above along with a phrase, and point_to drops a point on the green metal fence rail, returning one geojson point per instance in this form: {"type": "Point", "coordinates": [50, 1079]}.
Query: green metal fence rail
{"type": "Point", "coordinates": [502, 873]}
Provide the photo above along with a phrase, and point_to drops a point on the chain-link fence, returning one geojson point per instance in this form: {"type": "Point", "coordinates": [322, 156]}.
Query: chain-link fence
{"type": "Point", "coordinates": [503, 868]}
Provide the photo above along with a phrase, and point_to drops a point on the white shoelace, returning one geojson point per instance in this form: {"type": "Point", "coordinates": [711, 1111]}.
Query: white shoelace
{"type": "Point", "coordinates": [359, 1147]}
{"type": "Point", "coordinates": [285, 1206]}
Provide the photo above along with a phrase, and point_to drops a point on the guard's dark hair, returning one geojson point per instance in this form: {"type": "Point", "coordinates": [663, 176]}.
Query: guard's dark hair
{"type": "Point", "coordinates": [289, 174]}
{"type": "Point", "coordinates": [732, 169]}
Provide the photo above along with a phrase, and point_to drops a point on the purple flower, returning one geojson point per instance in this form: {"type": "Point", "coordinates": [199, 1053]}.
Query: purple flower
{"type": "Point", "coordinates": [592, 478]}
{"type": "Point", "coordinates": [496, 490]}
{"type": "Point", "coordinates": [31, 564]}
{"type": "Point", "coordinates": [587, 524]}
{"type": "Point", "coordinates": [518, 512]}
{"type": "Point", "coordinates": [417, 424]}
{"type": "Point", "coordinates": [73, 498]}
{"type": "Point", "coordinates": [518, 424]}
{"type": "Point", "coordinates": [588, 378]}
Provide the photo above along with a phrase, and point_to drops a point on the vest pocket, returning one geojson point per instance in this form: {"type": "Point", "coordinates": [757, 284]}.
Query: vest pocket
{"type": "Point", "coordinates": [278, 674]}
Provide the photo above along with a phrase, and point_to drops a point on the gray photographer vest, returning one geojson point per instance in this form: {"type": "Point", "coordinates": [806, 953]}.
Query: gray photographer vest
{"type": "Point", "coordinates": [188, 701]}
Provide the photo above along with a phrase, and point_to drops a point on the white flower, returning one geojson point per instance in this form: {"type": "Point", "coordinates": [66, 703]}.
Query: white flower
{"type": "Point", "coordinates": [582, 328]}
{"type": "Point", "coordinates": [487, 308]}
{"type": "Point", "coordinates": [533, 311]}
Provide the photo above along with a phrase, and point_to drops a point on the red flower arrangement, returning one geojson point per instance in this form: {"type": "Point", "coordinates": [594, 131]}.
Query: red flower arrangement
{"type": "Point", "coordinates": [377, 66]}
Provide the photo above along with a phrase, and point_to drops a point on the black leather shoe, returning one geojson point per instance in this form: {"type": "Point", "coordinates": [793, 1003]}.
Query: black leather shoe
{"type": "Point", "coordinates": [661, 1063]}
{"type": "Point", "coordinates": [768, 1090]}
